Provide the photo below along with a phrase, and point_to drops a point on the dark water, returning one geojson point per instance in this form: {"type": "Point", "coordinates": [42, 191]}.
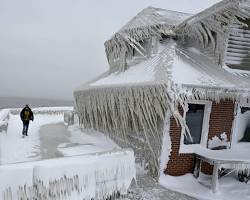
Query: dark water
{"type": "Point", "coordinates": [16, 102]}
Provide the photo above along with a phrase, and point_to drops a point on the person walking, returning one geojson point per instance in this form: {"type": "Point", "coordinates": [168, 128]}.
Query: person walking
{"type": "Point", "coordinates": [26, 115]}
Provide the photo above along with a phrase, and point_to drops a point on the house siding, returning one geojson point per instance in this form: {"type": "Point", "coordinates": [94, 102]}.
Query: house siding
{"type": "Point", "coordinates": [221, 120]}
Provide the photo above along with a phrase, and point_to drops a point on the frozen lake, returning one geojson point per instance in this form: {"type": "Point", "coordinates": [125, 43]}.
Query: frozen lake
{"type": "Point", "coordinates": [17, 102]}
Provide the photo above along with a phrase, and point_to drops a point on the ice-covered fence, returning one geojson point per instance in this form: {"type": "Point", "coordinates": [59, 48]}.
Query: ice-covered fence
{"type": "Point", "coordinates": [93, 176]}
{"type": "Point", "coordinates": [16, 181]}
{"type": "Point", "coordinates": [4, 118]}
{"type": "Point", "coordinates": [45, 110]}
{"type": "Point", "coordinates": [69, 118]}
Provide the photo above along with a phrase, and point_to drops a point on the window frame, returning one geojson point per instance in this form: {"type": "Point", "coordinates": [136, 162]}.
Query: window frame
{"type": "Point", "coordinates": [234, 133]}
{"type": "Point", "coordinates": [189, 148]}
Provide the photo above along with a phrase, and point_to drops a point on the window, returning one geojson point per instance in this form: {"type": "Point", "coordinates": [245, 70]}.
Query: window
{"type": "Point", "coordinates": [241, 128]}
{"type": "Point", "coordinates": [244, 109]}
{"type": "Point", "coordinates": [197, 119]}
{"type": "Point", "coordinates": [194, 120]}
{"type": "Point", "coordinates": [144, 45]}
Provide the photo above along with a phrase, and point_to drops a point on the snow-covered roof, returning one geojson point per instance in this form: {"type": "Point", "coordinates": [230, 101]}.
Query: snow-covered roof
{"type": "Point", "coordinates": [194, 69]}
{"type": "Point", "coordinates": [208, 27]}
{"type": "Point", "coordinates": [151, 16]}
{"type": "Point", "coordinates": [186, 67]}
{"type": "Point", "coordinates": [149, 71]}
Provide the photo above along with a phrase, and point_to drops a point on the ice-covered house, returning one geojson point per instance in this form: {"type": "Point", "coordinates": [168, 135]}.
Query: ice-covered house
{"type": "Point", "coordinates": [178, 85]}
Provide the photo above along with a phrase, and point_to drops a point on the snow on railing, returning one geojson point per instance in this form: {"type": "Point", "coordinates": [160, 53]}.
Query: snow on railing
{"type": "Point", "coordinates": [93, 176]}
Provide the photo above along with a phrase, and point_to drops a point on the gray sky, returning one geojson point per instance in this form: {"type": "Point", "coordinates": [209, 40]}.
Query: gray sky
{"type": "Point", "coordinates": [50, 47]}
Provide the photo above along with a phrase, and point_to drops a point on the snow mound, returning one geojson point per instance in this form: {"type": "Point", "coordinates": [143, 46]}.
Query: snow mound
{"type": "Point", "coordinates": [95, 176]}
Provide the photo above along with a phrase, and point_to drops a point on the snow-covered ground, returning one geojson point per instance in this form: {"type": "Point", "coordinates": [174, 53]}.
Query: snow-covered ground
{"type": "Point", "coordinates": [230, 188]}
{"type": "Point", "coordinates": [86, 142]}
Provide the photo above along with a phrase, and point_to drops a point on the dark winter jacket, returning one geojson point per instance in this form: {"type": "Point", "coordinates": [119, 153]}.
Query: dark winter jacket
{"type": "Point", "coordinates": [26, 114]}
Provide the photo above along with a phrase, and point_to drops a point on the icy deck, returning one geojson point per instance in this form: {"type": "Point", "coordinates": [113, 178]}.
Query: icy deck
{"type": "Point", "coordinates": [238, 154]}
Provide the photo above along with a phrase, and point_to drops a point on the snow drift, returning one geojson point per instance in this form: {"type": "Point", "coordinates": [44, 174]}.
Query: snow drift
{"type": "Point", "coordinates": [90, 176]}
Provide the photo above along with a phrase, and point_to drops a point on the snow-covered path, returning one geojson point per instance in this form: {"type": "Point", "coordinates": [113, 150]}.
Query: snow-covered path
{"type": "Point", "coordinates": [51, 136]}
{"type": "Point", "coordinates": [48, 138]}
{"type": "Point", "coordinates": [14, 148]}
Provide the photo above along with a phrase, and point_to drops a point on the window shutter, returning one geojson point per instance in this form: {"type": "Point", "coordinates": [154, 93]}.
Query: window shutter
{"type": "Point", "coordinates": [238, 49]}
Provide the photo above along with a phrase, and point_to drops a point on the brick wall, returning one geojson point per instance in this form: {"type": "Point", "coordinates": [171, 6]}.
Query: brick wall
{"type": "Point", "coordinates": [178, 164]}
{"type": "Point", "coordinates": [221, 119]}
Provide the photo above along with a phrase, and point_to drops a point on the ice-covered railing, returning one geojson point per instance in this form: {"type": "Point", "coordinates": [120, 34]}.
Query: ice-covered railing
{"type": "Point", "coordinates": [45, 110]}
{"type": "Point", "coordinates": [69, 117]}
{"type": "Point", "coordinates": [94, 176]}
{"type": "Point", "coordinates": [4, 118]}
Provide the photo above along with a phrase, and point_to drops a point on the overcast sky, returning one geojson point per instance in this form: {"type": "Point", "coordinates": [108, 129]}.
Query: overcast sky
{"type": "Point", "coordinates": [50, 47]}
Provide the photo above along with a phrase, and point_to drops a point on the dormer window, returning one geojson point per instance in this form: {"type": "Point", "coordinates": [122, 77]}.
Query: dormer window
{"type": "Point", "coordinates": [144, 49]}
{"type": "Point", "coordinates": [148, 48]}
{"type": "Point", "coordinates": [238, 48]}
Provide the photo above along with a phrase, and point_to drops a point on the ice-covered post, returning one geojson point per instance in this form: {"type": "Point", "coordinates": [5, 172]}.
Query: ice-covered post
{"type": "Point", "coordinates": [215, 178]}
